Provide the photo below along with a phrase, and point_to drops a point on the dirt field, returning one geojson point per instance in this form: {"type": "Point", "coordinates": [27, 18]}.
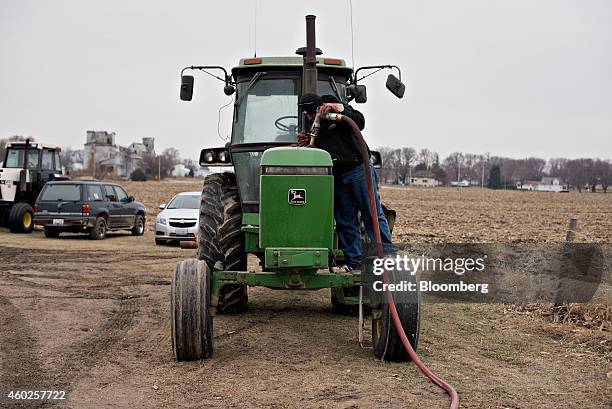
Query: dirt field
{"type": "Point", "coordinates": [93, 318]}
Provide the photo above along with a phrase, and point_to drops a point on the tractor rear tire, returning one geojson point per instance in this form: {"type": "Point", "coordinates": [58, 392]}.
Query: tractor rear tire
{"type": "Point", "coordinates": [192, 324]}
{"type": "Point", "coordinates": [21, 218]}
{"type": "Point", "coordinates": [387, 343]}
{"type": "Point", "coordinates": [220, 238]}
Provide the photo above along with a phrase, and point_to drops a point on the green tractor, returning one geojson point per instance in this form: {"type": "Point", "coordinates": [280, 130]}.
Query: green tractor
{"type": "Point", "coordinates": [277, 204]}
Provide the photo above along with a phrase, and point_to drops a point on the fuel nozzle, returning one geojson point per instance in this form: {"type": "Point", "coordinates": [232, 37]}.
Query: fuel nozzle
{"type": "Point", "coordinates": [316, 124]}
{"type": "Point", "coordinates": [314, 129]}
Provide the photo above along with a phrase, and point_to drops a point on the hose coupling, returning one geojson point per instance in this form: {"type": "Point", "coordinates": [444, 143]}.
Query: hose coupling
{"type": "Point", "coordinates": [334, 117]}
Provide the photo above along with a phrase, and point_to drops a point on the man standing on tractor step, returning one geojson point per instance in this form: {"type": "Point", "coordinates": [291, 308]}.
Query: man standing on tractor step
{"type": "Point", "coordinates": [350, 185]}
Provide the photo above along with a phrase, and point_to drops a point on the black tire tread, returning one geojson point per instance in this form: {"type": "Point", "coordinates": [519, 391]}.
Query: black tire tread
{"type": "Point", "coordinates": [93, 231]}
{"type": "Point", "coordinates": [389, 346]}
{"type": "Point", "coordinates": [220, 237]}
{"type": "Point", "coordinates": [15, 218]}
{"type": "Point", "coordinates": [135, 230]}
{"type": "Point", "coordinates": [191, 322]}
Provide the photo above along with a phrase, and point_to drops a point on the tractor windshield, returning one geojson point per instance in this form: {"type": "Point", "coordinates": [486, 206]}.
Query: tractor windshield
{"type": "Point", "coordinates": [267, 109]}
{"type": "Point", "coordinates": [14, 158]}
{"type": "Point", "coordinates": [268, 112]}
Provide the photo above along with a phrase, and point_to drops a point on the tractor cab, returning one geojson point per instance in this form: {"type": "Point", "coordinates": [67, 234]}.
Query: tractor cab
{"type": "Point", "coordinates": [266, 109]}
{"type": "Point", "coordinates": [43, 164]}
{"type": "Point", "coordinates": [26, 167]}
{"type": "Point", "coordinates": [266, 112]}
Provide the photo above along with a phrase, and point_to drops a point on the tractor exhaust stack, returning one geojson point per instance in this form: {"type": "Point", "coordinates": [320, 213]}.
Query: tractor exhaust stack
{"type": "Point", "coordinates": [310, 58]}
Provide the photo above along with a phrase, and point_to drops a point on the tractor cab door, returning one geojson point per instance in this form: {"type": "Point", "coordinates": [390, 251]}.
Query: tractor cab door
{"type": "Point", "coordinates": [47, 168]}
{"type": "Point", "coordinates": [14, 159]}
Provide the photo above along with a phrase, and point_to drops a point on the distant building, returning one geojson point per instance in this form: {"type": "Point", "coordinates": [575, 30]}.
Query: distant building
{"type": "Point", "coordinates": [180, 170]}
{"type": "Point", "coordinates": [422, 178]}
{"type": "Point", "coordinates": [99, 146]}
{"type": "Point", "coordinates": [120, 161]}
{"type": "Point", "coordinates": [461, 183]}
{"type": "Point", "coordinates": [547, 184]}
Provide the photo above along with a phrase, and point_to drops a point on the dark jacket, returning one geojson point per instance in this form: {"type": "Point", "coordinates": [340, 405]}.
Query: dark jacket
{"type": "Point", "coordinates": [337, 138]}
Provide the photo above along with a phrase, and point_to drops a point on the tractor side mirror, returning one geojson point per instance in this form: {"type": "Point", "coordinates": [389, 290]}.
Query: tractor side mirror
{"type": "Point", "coordinates": [186, 87]}
{"type": "Point", "coordinates": [396, 86]}
{"type": "Point", "coordinates": [359, 93]}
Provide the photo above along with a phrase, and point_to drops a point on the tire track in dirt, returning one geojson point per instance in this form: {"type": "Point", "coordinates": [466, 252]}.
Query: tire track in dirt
{"type": "Point", "coordinates": [20, 362]}
{"type": "Point", "coordinates": [85, 354]}
{"type": "Point", "coordinates": [19, 358]}
{"type": "Point", "coordinates": [22, 366]}
{"type": "Point", "coordinates": [18, 349]}
{"type": "Point", "coordinates": [114, 293]}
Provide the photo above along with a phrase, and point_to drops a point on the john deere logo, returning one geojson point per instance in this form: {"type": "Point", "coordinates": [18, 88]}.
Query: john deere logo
{"type": "Point", "coordinates": [297, 196]}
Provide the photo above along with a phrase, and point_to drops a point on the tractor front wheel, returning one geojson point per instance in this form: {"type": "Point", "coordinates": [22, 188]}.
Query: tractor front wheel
{"type": "Point", "coordinates": [21, 218]}
{"type": "Point", "coordinates": [192, 324]}
{"type": "Point", "coordinates": [220, 238]}
{"type": "Point", "coordinates": [388, 345]}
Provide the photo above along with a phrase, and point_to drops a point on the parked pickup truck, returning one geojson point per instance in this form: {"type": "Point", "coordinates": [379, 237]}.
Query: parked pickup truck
{"type": "Point", "coordinates": [88, 206]}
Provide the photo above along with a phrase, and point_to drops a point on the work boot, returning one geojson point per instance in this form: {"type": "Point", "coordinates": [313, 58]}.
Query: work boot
{"type": "Point", "coordinates": [345, 269]}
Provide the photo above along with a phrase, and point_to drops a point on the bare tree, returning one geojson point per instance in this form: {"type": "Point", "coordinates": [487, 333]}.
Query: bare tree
{"type": "Point", "coordinates": [579, 171]}
{"type": "Point", "coordinates": [67, 159]}
{"type": "Point", "coordinates": [604, 170]}
{"type": "Point", "coordinates": [407, 159]}
{"type": "Point", "coordinates": [534, 167]}
{"type": "Point", "coordinates": [426, 158]}
{"type": "Point", "coordinates": [453, 164]}
{"type": "Point", "coordinates": [191, 165]}
{"type": "Point", "coordinates": [557, 167]}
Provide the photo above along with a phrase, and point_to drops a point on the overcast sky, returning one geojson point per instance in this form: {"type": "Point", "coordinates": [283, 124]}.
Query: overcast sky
{"type": "Point", "coordinates": [514, 78]}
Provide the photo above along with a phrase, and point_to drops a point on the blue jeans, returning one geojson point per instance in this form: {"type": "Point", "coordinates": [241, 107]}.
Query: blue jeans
{"type": "Point", "coordinates": [350, 196]}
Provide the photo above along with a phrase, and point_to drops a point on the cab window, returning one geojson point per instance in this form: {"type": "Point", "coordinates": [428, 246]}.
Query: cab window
{"type": "Point", "coordinates": [121, 195]}
{"type": "Point", "coordinates": [58, 162]}
{"type": "Point", "coordinates": [94, 193]}
{"type": "Point", "coordinates": [110, 193]}
{"type": "Point", "coordinates": [63, 192]}
{"type": "Point", "coordinates": [14, 158]}
{"type": "Point", "coordinates": [47, 160]}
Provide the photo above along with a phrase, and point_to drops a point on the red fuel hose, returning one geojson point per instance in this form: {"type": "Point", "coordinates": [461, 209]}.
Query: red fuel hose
{"type": "Point", "coordinates": [379, 250]}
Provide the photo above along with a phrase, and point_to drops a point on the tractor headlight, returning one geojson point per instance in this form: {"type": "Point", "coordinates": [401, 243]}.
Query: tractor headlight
{"type": "Point", "coordinates": [161, 220]}
{"type": "Point", "coordinates": [209, 157]}
{"type": "Point", "coordinates": [215, 157]}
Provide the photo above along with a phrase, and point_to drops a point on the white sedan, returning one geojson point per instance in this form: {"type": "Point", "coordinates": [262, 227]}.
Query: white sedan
{"type": "Point", "coordinates": [178, 220]}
